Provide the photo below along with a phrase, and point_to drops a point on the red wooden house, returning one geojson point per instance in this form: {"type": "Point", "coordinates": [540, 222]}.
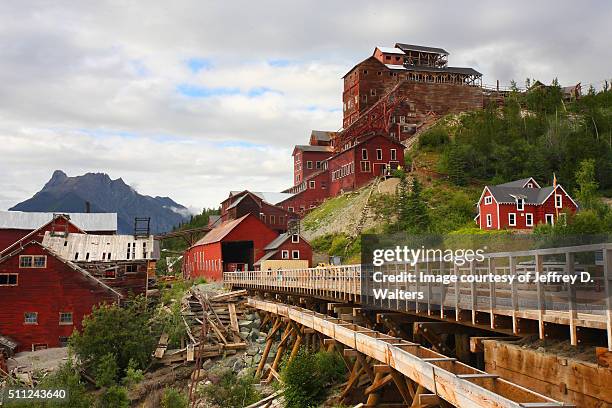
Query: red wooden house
{"type": "Point", "coordinates": [349, 169]}
{"type": "Point", "coordinates": [43, 297]}
{"type": "Point", "coordinates": [309, 159]}
{"type": "Point", "coordinates": [233, 245]}
{"type": "Point", "coordinates": [287, 251]}
{"type": "Point", "coordinates": [522, 204]}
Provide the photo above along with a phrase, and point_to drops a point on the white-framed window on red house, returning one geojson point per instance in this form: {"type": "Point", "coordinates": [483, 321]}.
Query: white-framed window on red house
{"type": "Point", "coordinates": [309, 164]}
{"type": "Point", "coordinates": [272, 219]}
{"type": "Point", "coordinates": [285, 254]}
{"type": "Point", "coordinates": [393, 154]}
{"type": "Point", "coordinates": [488, 200]}
{"type": "Point", "coordinates": [8, 279]}
{"type": "Point", "coordinates": [529, 220]}
{"type": "Point", "coordinates": [520, 204]}
{"type": "Point", "coordinates": [512, 219]}
{"type": "Point", "coordinates": [311, 184]}
{"type": "Point", "coordinates": [550, 219]}
{"type": "Point", "coordinates": [32, 261]}
{"type": "Point", "coordinates": [295, 238]}
{"type": "Point", "coordinates": [489, 220]}
{"type": "Point", "coordinates": [558, 201]}
{"type": "Point", "coordinates": [365, 167]}
{"type": "Point", "coordinates": [378, 154]}
{"type": "Point", "coordinates": [364, 154]}
{"type": "Point", "coordinates": [295, 254]}
{"type": "Point", "coordinates": [65, 318]}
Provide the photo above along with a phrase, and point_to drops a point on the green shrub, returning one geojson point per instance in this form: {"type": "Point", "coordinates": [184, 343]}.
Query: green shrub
{"type": "Point", "coordinates": [307, 377]}
{"type": "Point", "coordinates": [232, 391]}
{"type": "Point", "coordinates": [114, 397]}
{"type": "Point", "coordinates": [173, 398]}
{"type": "Point", "coordinates": [133, 375]}
{"type": "Point", "coordinates": [106, 371]}
{"type": "Point", "coordinates": [338, 245]}
{"type": "Point", "coordinates": [66, 377]}
{"type": "Point", "coordinates": [433, 138]}
{"type": "Point", "coordinates": [123, 331]}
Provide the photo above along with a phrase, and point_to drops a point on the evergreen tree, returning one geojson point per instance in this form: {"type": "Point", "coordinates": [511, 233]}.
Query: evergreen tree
{"type": "Point", "coordinates": [587, 186]}
{"type": "Point", "coordinates": [456, 166]}
{"type": "Point", "coordinates": [416, 214]}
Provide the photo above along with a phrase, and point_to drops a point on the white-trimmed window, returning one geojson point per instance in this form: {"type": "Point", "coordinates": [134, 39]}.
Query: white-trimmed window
{"type": "Point", "coordinates": [295, 238]}
{"type": "Point", "coordinates": [295, 254]}
{"type": "Point", "coordinates": [290, 209]}
{"type": "Point", "coordinates": [285, 254]}
{"type": "Point", "coordinates": [529, 185]}
{"type": "Point", "coordinates": [30, 318]}
{"type": "Point", "coordinates": [65, 318]}
{"type": "Point", "coordinates": [32, 261]}
{"type": "Point", "coordinates": [373, 90]}
{"type": "Point", "coordinates": [529, 220]}
{"type": "Point", "coordinates": [520, 204]}
{"type": "Point", "coordinates": [489, 220]}
{"type": "Point", "coordinates": [512, 219]}
{"type": "Point", "coordinates": [365, 166]}
{"type": "Point", "coordinates": [309, 164]}
{"type": "Point", "coordinates": [558, 201]}
{"type": "Point", "coordinates": [364, 154]}
{"type": "Point", "coordinates": [378, 154]}
{"type": "Point", "coordinates": [8, 279]}
{"type": "Point", "coordinates": [393, 154]}
{"type": "Point", "coordinates": [318, 164]}
{"type": "Point", "coordinates": [311, 184]}
{"type": "Point", "coordinates": [488, 200]}
{"type": "Point", "coordinates": [550, 219]}
{"type": "Point", "coordinates": [272, 219]}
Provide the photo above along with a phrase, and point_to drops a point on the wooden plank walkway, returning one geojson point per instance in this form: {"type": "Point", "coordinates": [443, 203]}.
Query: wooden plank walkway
{"type": "Point", "coordinates": [451, 380]}
{"type": "Point", "coordinates": [502, 306]}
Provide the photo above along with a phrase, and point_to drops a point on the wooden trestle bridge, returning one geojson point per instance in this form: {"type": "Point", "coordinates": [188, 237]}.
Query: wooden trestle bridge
{"type": "Point", "coordinates": [423, 377]}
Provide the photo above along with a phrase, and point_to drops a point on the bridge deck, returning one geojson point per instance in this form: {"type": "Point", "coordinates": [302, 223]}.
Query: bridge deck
{"type": "Point", "coordinates": [451, 380]}
{"type": "Point", "coordinates": [500, 305]}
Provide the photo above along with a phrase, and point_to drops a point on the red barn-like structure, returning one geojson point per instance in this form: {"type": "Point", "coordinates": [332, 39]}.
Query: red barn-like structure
{"type": "Point", "coordinates": [233, 245]}
{"type": "Point", "coordinates": [17, 226]}
{"type": "Point", "coordinates": [522, 204]}
{"type": "Point", "coordinates": [43, 298]}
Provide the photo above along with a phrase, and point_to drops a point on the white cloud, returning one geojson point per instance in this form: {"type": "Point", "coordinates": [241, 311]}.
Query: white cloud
{"type": "Point", "coordinates": [94, 86]}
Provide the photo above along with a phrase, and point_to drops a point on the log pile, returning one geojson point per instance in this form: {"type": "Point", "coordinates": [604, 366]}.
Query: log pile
{"type": "Point", "coordinates": [211, 324]}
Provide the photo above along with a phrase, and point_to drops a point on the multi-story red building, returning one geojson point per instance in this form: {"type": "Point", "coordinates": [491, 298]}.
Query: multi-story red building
{"type": "Point", "coordinates": [309, 159]}
{"type": "Point", "coordinates": [522, 204]}
{"type": "Point", "coordinates": [260, 204]}
{"type": "Point", "coordinates": [43, 298]}
{"type": "Point", "coordinates": [373, 79]}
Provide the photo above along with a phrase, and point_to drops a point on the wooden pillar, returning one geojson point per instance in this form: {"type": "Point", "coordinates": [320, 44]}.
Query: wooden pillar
{"type": "Point", "coordinates": [570, 261]}
{"type": "Point", "coordinates": [539, 267]}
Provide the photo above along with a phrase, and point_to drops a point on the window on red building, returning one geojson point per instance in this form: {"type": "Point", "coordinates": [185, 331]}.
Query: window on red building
{"type": "Point", "coordinates": [393, 154]}
{"type": "Point", "coordinates": [295, 254]}
{"type": "Point", "coordinates": [364, 154]}
{"type": "Point", "coordinates": [378, 154]}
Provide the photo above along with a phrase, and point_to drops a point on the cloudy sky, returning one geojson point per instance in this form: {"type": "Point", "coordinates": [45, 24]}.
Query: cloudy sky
{"type": "Point", "coordinates": [191, 99]}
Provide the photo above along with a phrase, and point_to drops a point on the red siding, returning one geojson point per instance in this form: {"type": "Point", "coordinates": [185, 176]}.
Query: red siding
{"type": "Point", "coordinates": [539, 212]}
{"type": "Point", "coordinates": [60, 225]}
{"type": "Point", "coordinates": [302, 246]}
{"type": "Point", "coordinates": [47, 291]}
{"type": "Point", "coordinates": [207, 260]}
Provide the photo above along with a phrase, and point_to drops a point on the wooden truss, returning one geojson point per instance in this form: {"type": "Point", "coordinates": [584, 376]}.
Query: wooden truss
{"type": "Point", "coordinates": [386, 370]}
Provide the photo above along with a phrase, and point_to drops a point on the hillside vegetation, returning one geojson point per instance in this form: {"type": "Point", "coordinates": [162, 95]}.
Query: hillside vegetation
{"type": "Point", "coordinates": [534, 134]}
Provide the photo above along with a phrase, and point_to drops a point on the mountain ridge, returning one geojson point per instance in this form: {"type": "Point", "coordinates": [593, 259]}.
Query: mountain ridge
{"type": "Point", "coordinates": [70, 194]}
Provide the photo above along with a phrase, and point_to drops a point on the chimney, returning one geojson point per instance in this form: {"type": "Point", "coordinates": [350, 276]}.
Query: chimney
{"type": "Point", "coordinates": [87, 207]}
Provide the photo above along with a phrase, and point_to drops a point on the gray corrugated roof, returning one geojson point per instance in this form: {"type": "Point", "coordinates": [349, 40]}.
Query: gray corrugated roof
{"type": "Point", "coordinates": [270, 197]}
{"type": "Point", "coordinates": [278, 241]}
{"type": "Point", "coordinates": [267, 256]}
{"type": "Point", "coordinates": [504, 194]}
{"type": "Point", "coordinates": [309, 148]}
{"type": "Point", "coordinates": [114, 247]}
{"type": "Point", "coordinates": [422, 48]}
{"type": "Point", "coordinates": [515, 183]}
{"type": "Point", "coordinates": [451, 70]}
{"type": "Point", "coordinates": [323, 135]}
{"type": "Point", "coordinates": [391, 50]}
{"type": "Point", "coordinates": [33, 220]}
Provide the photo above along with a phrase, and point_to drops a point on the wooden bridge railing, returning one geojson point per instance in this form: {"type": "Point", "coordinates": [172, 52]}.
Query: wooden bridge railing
{"type": "Point", "coordinates": [586, 304]}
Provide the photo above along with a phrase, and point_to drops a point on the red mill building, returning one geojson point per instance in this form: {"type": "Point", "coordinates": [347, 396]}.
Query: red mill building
{"type": "Point", "coordinates": [425, 80]}
{"type": "Point", "coordinates": [386, 98]}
